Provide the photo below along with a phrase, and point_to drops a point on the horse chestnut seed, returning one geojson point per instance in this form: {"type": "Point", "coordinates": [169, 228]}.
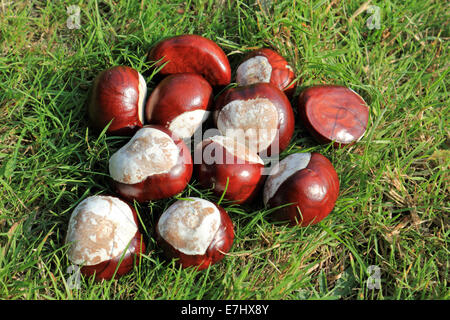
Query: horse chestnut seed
{"type": "Point", "coordinates": [194, 54]}
{"type": "Point", "coordinates": [180, 103]}
{"type": "Point", "coordinates": [153, 165]}
{"type": "Point", "coordinates": [195, 231]}
{"type": "Point", "coordinates": [266, 65]}
{"type": "Point", "coordinates": [306, 181]}
{"type": "Point", "coordinates": [103, 237]}
{"type": "Point", "coordinates": [229, 165]}
{"type": "Point", "coordinates": [117, 95]}
{"type": "Point", "coordinates": [333, 113]}
{"type": "Point", "coordinates": [259, 114]}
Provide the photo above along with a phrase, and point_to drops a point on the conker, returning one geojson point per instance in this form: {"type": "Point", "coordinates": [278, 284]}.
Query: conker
{"type": "Point", "coordinates": [118, 94]}
{"type": "Point", "coordinates": [260, 114]}
{"type": "Point", "coordinates": [333, 114]}
{"type": "Point", "coordinates": [197, 232]}
{"type": "Point", "coordinates": [266, 65]}
{"type": "Point", "coordinates": [192, 53]}
{"type": "Point", "coordinates": [103, 237]}
{"type": "Point", "coordinates": [225, 160]}
{"type": "Point", "coordinates": [154, 164]}
{"type": "Point", "coordinates": [180, 103]}
{"type": "Point", "coordinates": [306, 181]}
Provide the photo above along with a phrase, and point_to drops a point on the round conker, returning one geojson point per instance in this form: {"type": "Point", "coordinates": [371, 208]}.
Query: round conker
{"type": "Point", "coordinates": [307, 182]}
{"type": "Point", "coordinates": [154, 164]}
{"type": "Point", "coordinates": [192, 53]}
{"type": "Point", "coordinates": [333, 114]}
{"type": "Point", "coordinates": [180, 103]}
{"type": "Point", "coordinates": [266, 65]}
{"type": "Point", "coordinates": [197, 232]}
{"type": "Point", "coordinates": [259, 114]}
{"type": "Point", "coordinates": [117, 95]}
{"type": "Point", "coordinates": [103, 237]}
{"type": "Point", "coordinates": [229, 165]}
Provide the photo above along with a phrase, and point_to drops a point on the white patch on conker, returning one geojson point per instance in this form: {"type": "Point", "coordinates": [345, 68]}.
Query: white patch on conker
{"type": "Point", "coordinates": [232, 146]}
{"type": "Point", "coordinates": [254, 70]}
{"type": "Point", "coordinates": [190, 225]}
{"type": "Point", "coordinates": [282, 171]}
{"type": "Point", "coordinates": [142, 94]}
{"type": "Point", "coordinates": [150, 151]}
{"type": "Point", "coordinates": [100, 229]}
{"type": "Point", "coordinates": [253, 122]}
{"type": "Point", "coordinates": [187, 123]}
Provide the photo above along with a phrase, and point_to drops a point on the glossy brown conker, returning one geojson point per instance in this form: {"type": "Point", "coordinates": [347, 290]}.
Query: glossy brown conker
{"type": "Point", "coordinates": [117, 95]}
{"type": "Point", "coordinates": [266, 65]}
{"type": "Point", "coordinates": [196, 232]}
{"type": "Point", "coordinates": [229, 166]}
{"type": "Point", "coordinates": [259, 114]}
{"type": "Point", "coordinates": [180, 102]}
{"type": "Point", "coordinates": [104, 238]}
{"type": "Point", "coordinates": [155, 164]}
{"type": "Point", "coordinates": [193, 54]}
{"type": "Point", "coordinates": [333, 114]}
{"type": "Point", "coordinates": [305, 186]}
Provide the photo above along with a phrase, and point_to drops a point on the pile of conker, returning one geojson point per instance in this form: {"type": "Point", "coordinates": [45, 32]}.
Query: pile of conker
{"type": "Point", "coordinates": [253, 120]}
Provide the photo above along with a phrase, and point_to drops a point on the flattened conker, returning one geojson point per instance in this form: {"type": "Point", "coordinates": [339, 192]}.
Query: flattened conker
{"type": "Point", "coordinates": [333, 113]}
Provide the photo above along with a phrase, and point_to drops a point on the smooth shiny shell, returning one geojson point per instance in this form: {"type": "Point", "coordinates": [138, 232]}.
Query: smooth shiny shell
{"type": "Point", "coordinates": [221, 240]}
{"type": "Point", "coordinates": [162, 185]}
{"type": "Point", "coordinates": [95, 230]}
{"type": "Point", "coordinates": [117, 94]}
{"type": "Point", "coordinates": [277, 98]}
{"type": "Point", "coordinates": [281, 73]}
{"type": "Point", "coordinates": [194, 54]}
{"type": "Point", "coordinates": [229, 164]}
{"type": "Point", "coordinates": [176, 96]}
{"type": "Point", "coordinates": [313, 192]}
{"type": "Point", "coordinates": [333, 113]}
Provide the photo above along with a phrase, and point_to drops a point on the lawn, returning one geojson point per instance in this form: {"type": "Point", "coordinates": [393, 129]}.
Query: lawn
{"type": "Point", "coordinates": [388, 235]}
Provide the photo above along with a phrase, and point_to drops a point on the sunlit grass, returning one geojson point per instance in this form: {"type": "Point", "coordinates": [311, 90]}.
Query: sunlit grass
{"type": "Point", "coordinates": [393, 206]}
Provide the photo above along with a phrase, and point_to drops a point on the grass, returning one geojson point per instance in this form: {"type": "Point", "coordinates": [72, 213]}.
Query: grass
{"type": "Point", "coordinates": [393, 207]}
